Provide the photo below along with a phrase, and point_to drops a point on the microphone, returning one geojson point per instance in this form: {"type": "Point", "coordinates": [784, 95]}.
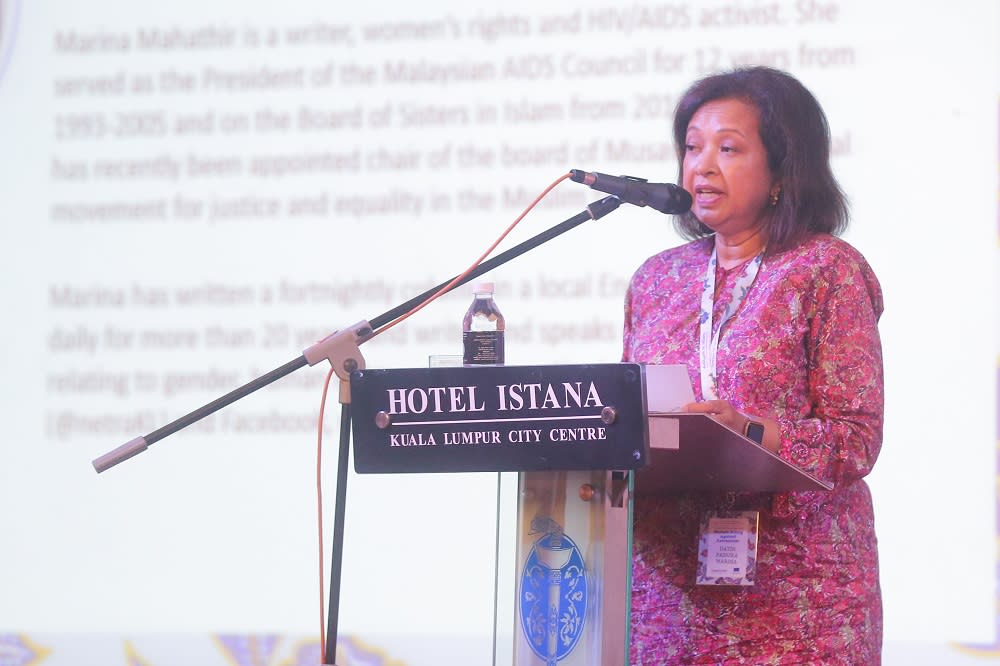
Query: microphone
{"type": "Point", "coordinates": [664, 197]}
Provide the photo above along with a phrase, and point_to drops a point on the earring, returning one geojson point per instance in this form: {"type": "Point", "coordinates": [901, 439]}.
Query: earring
{"type": "Point", "coordinates": [775, 195]}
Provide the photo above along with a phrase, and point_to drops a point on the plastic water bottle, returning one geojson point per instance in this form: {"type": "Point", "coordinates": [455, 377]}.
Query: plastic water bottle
{"type": "Point", "coordinates": [482, 328]}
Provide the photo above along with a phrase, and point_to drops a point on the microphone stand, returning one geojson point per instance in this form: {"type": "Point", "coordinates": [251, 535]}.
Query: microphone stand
{"type": "Point", "coordinates": [340, 348]}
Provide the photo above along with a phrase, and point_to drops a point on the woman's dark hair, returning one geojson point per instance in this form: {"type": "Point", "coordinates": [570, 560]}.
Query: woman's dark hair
{"type": "Point", "coordinates": [795, 134]}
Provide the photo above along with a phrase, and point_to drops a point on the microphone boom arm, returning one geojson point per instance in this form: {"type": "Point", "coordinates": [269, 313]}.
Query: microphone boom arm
{"type": "Point", "coordinates": [341, 348]}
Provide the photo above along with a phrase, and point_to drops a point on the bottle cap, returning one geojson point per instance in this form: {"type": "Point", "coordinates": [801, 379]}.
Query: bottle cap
{"type": "Point", "coordinates": [482, 287]}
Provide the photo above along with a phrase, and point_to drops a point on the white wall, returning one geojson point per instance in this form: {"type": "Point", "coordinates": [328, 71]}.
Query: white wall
{"type": "Point", "coordinates": [212, 530]}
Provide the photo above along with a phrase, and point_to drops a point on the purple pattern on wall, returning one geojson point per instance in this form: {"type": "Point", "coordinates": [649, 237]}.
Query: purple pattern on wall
{"type": "Point", "coordinates": [249, 650]}
{"type": "Point", "coordinates": [15, 650]}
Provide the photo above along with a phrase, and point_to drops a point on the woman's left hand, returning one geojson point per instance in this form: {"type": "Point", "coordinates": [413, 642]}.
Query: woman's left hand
{"type": "Point", "coordinates": [729, 416]}
{"type": "Point", "coordinates": [723, 412]}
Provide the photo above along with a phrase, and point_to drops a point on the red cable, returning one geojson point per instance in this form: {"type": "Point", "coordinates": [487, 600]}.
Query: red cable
{"type": "Point", "coordinates": [326, 386]}
{"type": "Point", "coordinates": [445, 289]}
{"type": "Point", "coordinates": [319, 510]}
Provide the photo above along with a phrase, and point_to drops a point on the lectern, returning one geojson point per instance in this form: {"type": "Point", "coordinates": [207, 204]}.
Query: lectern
{"type": "Point", "coordinates": [584, 442]}
{"type": "Point", "coordinates": [582, 439]}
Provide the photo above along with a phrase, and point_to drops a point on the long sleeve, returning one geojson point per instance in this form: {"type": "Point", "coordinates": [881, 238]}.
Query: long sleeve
{"type": "Point", "coordinates": [840, 438]}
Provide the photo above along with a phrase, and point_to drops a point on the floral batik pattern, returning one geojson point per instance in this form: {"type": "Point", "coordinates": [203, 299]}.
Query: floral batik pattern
{"type": "Point", "coordinates": [803, 349]}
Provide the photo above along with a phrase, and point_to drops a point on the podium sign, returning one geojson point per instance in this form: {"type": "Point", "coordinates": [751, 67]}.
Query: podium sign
{"type": "Point", "coordinates": [499, 418]}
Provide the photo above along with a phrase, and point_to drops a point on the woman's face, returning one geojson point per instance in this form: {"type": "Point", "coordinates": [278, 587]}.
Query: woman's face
{"type": "Point", "coordinates": [725, 168]}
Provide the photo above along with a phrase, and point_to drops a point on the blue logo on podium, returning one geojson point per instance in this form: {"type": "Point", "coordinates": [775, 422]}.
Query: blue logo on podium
{"type": "Point", "coordinates": [553, 599]}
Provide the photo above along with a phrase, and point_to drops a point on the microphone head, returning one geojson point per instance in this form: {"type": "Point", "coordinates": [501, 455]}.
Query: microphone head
{"type": "Point", "coordinates": [670, 199]}
{"type": "Point", "coordinates": [664, 197]}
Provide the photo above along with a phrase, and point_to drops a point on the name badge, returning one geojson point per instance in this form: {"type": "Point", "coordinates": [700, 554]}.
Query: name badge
{"type": "Point", "coordinates": [727, 548]}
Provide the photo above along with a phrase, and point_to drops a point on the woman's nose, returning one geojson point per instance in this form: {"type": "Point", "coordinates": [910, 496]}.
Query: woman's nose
{"type": "Point", "coordinates": [705, 164]}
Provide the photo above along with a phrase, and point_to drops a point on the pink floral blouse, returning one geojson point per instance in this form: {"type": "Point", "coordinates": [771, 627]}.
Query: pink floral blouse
{"type": "Point", "coordinates": [804, 350]}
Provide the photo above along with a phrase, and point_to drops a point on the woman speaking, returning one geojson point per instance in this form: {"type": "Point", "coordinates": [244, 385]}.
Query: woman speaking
{"type": "Point", "coordinates": [776, 320]}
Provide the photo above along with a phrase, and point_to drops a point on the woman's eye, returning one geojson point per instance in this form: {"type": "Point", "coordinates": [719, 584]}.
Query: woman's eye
{"type": "Point", "coordinates": [728, 149]}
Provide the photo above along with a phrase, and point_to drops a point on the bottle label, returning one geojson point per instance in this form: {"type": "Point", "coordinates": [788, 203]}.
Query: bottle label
{"type": "Point", "coordinates": [482, 347]}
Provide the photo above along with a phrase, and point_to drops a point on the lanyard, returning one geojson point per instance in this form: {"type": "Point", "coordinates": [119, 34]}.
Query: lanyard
{"type": "Point", "coordinates": [708, 344]}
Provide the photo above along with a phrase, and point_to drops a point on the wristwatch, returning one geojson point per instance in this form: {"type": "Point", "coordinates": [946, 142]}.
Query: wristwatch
{"type": "Point", "coordinates": [754, 430]}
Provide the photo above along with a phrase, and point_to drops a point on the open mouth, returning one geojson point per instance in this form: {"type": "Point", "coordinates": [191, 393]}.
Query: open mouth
{"type": "Point", "coordinates": [705, 195]}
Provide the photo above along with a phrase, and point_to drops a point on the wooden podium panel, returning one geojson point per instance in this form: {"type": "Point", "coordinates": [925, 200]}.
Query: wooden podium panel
{"type": "Point", "coordinates": [694, 452]}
